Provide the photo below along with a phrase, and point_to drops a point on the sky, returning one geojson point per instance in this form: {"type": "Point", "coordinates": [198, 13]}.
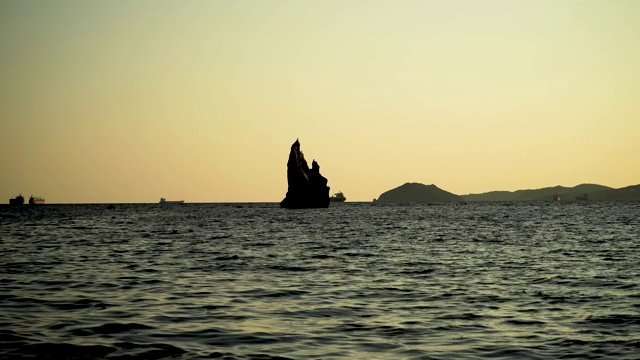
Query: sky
{"type": "Point", "coordinates": [196, 100]}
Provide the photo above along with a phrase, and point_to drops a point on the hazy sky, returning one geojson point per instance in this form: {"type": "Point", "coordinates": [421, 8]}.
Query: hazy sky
{"type": "Point", "coordinates": [130, 101]}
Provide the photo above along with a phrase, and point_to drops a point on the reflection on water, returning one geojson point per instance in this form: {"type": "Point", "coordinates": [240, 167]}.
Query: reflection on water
{"type": "Point", "coordinates": [253, 281]}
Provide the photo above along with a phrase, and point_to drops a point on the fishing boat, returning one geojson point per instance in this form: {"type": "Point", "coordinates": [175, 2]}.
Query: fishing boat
{"type": "Point", "coordinates": [18, 200]}
{"type": "Point", "coordinates": [556, 197]}
{"type": "Point", "coordinates": [338, 197]}
{"type": "Point", "coordinates": [164, 201]}
{"type": "Point", "coordinates": [36, 200]}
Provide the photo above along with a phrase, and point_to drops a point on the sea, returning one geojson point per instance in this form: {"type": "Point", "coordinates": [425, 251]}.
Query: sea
{"type": "Point", "coordinates": [498, 280]}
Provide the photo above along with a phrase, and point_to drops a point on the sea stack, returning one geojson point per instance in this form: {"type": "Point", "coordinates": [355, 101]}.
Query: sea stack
{"type": "Point", "coordinates": [307, 188]}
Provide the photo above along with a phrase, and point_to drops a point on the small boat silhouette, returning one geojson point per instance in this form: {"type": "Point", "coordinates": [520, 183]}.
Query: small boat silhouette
{"type": "Point", "coordinates": [164, 201]}
{"type": "Point", "coordinates": [36, 200]}
{"type": "Point", "coordinates": [18, 200]}
{"type": "Point", "coordinates": [338, 197]}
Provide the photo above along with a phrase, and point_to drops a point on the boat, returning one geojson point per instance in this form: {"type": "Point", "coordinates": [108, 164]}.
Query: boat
{"type": "Point", "coordinates": [36, 200]}
{"type": "Point", "coordinates": [18, 200]}
{"type": "Point", "coordinates": [164, 201]}
{"type": "Point", "coordinates": [582, 198]}
{"type": "Point", "coordinates": [556, 197]}
{"type": "Point", "coordinates": [338, 197]}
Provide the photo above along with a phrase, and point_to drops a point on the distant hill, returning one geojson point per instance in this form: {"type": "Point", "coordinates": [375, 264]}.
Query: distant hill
{"type": "Point", "coordinates": [593, 192]}
{"type": "Point", "coordinates": [628, 193]}
{"type": "Point", "coordinates": [415, 192]}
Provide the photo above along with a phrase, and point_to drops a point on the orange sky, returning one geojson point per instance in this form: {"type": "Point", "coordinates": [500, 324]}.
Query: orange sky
{"type": "Point", "coordinates": [114, 101]}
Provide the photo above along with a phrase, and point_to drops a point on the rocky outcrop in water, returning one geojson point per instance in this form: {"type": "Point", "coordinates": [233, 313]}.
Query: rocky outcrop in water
{"type": "Point", "coordinates": [307, 187]}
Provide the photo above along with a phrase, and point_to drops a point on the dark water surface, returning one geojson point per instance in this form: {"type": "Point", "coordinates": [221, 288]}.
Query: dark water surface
{"type": "Point", "coordinates": [357, 280]}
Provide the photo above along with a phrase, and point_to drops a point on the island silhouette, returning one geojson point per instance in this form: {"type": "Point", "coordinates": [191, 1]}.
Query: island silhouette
{"type": "Point", "coordinates": [420, 193]}
{"type": "Point", "coordinates": [416, 192]}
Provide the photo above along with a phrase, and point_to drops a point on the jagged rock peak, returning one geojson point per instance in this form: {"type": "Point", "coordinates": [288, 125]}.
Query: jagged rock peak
{"type": "Point", "coordinates": [307, 188]}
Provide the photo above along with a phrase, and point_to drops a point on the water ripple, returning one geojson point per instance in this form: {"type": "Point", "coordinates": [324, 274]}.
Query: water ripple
{"type": "Point", "coordinates": [357, 280]}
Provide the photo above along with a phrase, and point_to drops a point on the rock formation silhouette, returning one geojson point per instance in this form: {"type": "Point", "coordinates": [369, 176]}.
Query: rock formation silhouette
{"type": "Point", "coordinates": [307, 187]}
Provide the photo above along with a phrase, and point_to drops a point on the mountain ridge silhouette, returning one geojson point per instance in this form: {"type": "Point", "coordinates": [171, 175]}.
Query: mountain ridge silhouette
{"type": "Point", "coordinates": [421, 193]}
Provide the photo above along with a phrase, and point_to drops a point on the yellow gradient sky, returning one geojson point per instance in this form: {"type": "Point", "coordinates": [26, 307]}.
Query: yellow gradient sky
{"type": "Point", "coordinates": [130, 101]}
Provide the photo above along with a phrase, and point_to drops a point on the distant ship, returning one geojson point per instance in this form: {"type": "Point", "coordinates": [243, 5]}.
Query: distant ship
{"type": "Point", "coordinates": [556, 197]}
{"type": "Point", "coordinates": [338, 197]}
{"type": "Point", "coordinates": [164, 201]}
{"type": "Point", "coordinates": [36, 200]}
{"type": "Point", "coordinates": [18, 200]}
{"type": "Point", "coordinates": [582, 198]}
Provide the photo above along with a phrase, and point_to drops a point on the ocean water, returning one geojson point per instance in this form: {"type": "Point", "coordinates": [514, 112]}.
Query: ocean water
{"type": "Point", "coordinates": [533, 280]}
